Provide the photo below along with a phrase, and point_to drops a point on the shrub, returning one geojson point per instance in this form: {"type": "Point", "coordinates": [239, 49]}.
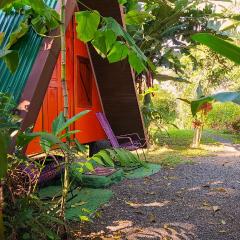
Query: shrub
{"type": "Point", "coordinates": [224, 116]}
{"type": "Point", "coordinates": [236, 125]}
{"type": "Point", "coordinates": [165, 104]}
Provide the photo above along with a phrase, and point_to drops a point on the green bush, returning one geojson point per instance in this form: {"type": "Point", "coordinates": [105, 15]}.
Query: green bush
{"type": "Point", "coordinates": [236, 125]}
{"type": "Point", "coordinates": [223, 116]}
{"type": "Point", "coordinates": [165, 104]}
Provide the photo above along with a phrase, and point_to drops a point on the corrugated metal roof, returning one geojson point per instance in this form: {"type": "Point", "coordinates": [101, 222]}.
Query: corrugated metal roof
{"type": "Point", "coordinates": [28, 50]}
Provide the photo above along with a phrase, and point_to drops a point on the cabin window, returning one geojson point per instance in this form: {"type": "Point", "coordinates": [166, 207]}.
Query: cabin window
{"type": "Point", "coordinates": [84, 82]}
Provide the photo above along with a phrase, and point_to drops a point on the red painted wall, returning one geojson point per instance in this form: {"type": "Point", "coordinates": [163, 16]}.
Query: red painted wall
{"type": "Point", "coordinates": [83, 94]}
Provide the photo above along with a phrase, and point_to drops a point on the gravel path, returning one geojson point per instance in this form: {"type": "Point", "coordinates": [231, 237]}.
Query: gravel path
{"type": "Point", "coordinates": [197, 201]}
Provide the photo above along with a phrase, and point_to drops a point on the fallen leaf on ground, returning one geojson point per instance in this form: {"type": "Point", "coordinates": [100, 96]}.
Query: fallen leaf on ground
{"type": "Point", "coordinates": [223, 222]}
{"type": "Point", "coordinates": [152, 218]}
{"type": "Point", "coordinates": [139, 212]}
{"type": "Point", "coordinates": [151, 204]}
{"type": "Point", "coordinates": [120, 225]}
{"type": "Point", "coordinates": [78, 204]}
{"type": "Point", "coordinates": [222, 231]}
{"type": "Point", "coordinates": [166, 226]}
{"type": "Point", "coordinates": [211, 223]}
{"type": "Point", "coordinates": [206, 204]}
{"type": "Point", "coordinates": [220, 189]}
{"type": "Point", "coordinates": [170, 177]}
{"type": "Point", "coordinates": [150, 193]}
{"type": "Point", "coordinates": [216, 208]}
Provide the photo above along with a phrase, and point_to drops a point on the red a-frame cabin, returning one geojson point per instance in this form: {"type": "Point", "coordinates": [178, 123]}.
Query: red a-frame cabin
{"type": "Point", "coordinates": [82, 90]}
{"type": "Point", "coordinates": [93, 83]}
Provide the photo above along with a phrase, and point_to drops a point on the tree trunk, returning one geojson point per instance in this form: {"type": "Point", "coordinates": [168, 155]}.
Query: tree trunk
{"type": "Point", "coordinates": [197, 137]}
{"type": "Point", "coordinates": [65, 101]}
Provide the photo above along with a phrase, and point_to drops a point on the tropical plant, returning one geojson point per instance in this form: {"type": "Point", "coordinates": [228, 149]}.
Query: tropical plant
{"type": "Point", "coordinates": [102, 32]}
{"type": "Point", "coordinates": [159, 110]}
{"type": "Point", "coordinates": [110, 39]}
{"type": "Point", "coordinates": [10, 163]}
{"type": "Point", "coordinates": [118, 157]}
{"type": "Point", "coordinates": [219, 45]}
{"type": "Point", "coordinates": [36, 15]}
{"type": "Point", "coordinates": [227, 115]}
{"type": "Point", "coordinates": [201, 106]}
{"type": "Point", "coordinates": [28, 217]}
{"type": "Point", "coordinates": [163, 29]}
{"type": "Point", "coordinates": [18, 211]}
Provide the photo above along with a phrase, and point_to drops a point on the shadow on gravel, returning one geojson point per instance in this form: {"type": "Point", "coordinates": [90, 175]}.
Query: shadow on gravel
{"type": "Point", "coordinates": [197, 201]}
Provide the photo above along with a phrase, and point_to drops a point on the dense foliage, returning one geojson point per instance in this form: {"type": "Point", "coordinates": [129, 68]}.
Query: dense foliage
{"type": "Point", "coordinates": [227, 116]}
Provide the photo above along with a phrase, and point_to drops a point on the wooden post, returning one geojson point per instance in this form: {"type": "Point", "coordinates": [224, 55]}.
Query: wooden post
{"type": "Point", "coordinates": [197, 137]}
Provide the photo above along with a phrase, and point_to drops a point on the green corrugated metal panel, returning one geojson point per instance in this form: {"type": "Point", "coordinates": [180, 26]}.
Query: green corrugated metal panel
{"type": "Point", "coordinates": [28, 50]}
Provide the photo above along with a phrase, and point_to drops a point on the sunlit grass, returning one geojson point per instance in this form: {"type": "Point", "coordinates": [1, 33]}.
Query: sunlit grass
{"type": "Point", "coordinates": [169, 157]}
{"type": "Point", "coordinates": [177, 138]}
{"type": "Point", "coordinates": [173, 148]}
{"type": "Point", "coordinates": [234, 138]}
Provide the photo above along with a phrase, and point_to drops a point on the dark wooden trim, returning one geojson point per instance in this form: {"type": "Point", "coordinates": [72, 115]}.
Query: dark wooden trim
{"type": "Point", "coordinates": [40, 75]}
{"type": "Point", "coordinates": [116, 82]}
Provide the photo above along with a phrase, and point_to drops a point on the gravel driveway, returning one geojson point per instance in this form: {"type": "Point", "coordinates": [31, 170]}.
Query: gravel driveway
{"type": "Point", "coordinates": [196, 201]}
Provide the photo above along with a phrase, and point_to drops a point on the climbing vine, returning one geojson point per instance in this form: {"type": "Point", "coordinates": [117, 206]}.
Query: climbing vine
{"type": "Point", "coordinates": [107, 36]}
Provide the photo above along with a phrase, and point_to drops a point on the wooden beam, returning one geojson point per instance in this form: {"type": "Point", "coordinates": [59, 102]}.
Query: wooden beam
{"type": "Point", "coordinates": [41, 73]}
{"type": "Point", "coordinates": [116, 82]}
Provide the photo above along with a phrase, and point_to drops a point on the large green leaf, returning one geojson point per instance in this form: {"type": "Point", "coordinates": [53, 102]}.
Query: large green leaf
{"type": "Point", "coordinates": [136, 62]}
{"type": "Point", "coordinates": [2, 34]}
{"type": "Point", "coordinates": [196, 104]}
{"type": "Point", "coordinates": [135, 17]}
{"type": "Point", "coordinates": [220, 97]}
{"type": "Point", "coordinates": [227, 97]}
{"type": "Point", "coordinates": [23, 139]}
{"type": "Point", "coordinates": [52, 18]}
{"type": "Point", "coordinates": [104, 41]}
{"type": "Point", "coordinates": [219, 45]}
{"type": "Point", "coordinates": [11, 59]}
{"type": "Point", "coordinates": [79, 146]}
{"type": "Point", "coordinates": [87, 24]}
{"type": "Point", "coordinates": [69, 134]}
{"type": "Point", "coordinates": [70, 121]}
{"type": "Point", "coordinates": [17, 34]}
{"type": "Point", "coordinates": [105, 158]}
{"type": "Point", "coordinates": [4, 3]}
{"type": "Point", "coordinates": [118, 52]}
{"type": "Point", "coordinates": [112, 24]}
{"type": "Point", "coordinates": [57, 123]}
{"type": "Point", "coordinates": [4, 145]}
{"type": "Point", "coordinates": [122, 1]}
{"type": "Point", "coordinates": [48, 140]}
{"type": "Point", "coordinates": [38, 25]}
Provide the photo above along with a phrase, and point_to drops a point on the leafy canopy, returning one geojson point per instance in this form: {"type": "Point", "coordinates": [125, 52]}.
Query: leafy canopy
{"type": "Point", "coordinates": [110, 39]}
{"type": "Point", "coordinates": [37, 15]}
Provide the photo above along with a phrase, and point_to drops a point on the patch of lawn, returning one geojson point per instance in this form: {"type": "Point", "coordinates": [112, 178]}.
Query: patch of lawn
{"type": "Point", "coordinates": [173, 148]}
{"type": "Point", "coordinates": [179, 138]}
{"type": "Point", "coordinates": [234, 138]}
{"type": "Point", "coordinates": [170, 161]}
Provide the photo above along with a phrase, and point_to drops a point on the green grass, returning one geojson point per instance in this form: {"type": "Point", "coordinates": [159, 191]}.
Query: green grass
{"type": "Point", "coordinates": [169, 160]}
{"type": "Point", "coordinates": [178, 138]}
{"type": "Point", "coordinates": [173, 148]}
{"type": "Point", "coordinates": [234, 138]}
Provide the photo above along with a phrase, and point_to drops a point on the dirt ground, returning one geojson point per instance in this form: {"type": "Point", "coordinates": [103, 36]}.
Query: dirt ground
{"type": "Point", "coordinates": [192, 201]}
